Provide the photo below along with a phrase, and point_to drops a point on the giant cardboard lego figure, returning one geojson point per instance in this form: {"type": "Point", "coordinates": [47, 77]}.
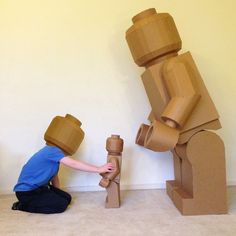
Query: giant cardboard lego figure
{"type": "Point", "coordinates": [181, 117]}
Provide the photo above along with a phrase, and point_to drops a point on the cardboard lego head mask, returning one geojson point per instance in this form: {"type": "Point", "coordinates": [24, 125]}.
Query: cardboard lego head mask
{"type": "Point", "coordinates": [65, 133]}
{"type": "Point", "coordinates": [151, 36]}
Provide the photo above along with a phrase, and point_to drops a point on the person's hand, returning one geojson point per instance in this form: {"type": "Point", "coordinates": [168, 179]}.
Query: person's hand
{"type": "Point", "coordinates": [106, 168]}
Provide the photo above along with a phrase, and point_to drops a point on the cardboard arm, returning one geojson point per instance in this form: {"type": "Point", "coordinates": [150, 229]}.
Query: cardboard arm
{"type": "Point", "coordinates": [109, 176]}
{"type": "Point", "coordinates": [183, 94]}
{"type": "Point", "coordinates": [112, 175]}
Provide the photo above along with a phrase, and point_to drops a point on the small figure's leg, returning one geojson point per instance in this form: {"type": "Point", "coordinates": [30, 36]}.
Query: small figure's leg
{"type": "Point", "coordinates": [113, 195]}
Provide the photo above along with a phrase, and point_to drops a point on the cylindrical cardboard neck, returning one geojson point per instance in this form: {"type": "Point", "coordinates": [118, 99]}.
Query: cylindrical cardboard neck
{"type": "Point", "coordinates": [144, 14]}
{"type": "Point", "coordinates": [73, 119]}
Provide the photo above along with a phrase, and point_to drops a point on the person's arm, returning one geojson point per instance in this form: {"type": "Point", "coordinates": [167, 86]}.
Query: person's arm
{"type": "Point", "coordinates": [55, 181]}
{"type": "Point", "coordinates": [78, 165]}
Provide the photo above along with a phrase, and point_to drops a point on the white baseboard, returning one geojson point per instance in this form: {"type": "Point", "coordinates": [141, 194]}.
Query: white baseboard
{"type": "Point", "coordinates": [98, 188]}
{"type": "Point", "coordinates": [231, 183]}
{"type": "Point", "coordinates": [123, 187]}
{"type": "Point", "coordinates": [126, 187]}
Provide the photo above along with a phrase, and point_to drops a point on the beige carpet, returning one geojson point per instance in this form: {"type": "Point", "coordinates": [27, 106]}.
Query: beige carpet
{"type": "Point", "coordinates": [143, 212]}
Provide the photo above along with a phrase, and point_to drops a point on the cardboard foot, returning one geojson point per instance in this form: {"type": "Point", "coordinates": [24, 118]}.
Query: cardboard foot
{"type": "Point", "coordinates": [190, 206]}
{"type": "Point", "coordinates": [171, 185]}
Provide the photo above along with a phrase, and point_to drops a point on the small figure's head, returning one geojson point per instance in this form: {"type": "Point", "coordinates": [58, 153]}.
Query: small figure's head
{"type": "Point", "coordinates": [65, 133]}
{"type": "Point", "coordinates": [114, 144]}
{"type": "Point", "coordinates": [152, 36]}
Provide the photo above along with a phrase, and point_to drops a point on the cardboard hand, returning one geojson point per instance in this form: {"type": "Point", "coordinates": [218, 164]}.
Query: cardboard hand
{"type": "Point", "coordinates": [104, 182]}
{"type": "Point", "coordinates": [161, 137]}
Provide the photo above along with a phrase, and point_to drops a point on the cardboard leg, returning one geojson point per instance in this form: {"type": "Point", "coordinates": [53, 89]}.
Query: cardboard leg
{"type": "Point", "coordinates": [174, 184]}
{"type": "Point", "coordinates": [113, 195]}
{"type": "Point", "coordinates": [203, 188]}
{"type": "Point", "coordinates": [186, 169]}
{"type": "Point", "coordinates": [177, 167]}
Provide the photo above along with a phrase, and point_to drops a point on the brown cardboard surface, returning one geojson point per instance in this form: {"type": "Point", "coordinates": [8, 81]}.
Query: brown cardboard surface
{"type": "Point", "coordinates": [65, 132]}
{"type": "Point", "coordinates": [151, 117]}
{"type": "Point", "coordinates": [111, 180]}
{"type": "Point", "coordinates": [205, 110]}
{"type": "Point", "coordinates": [203, 186]}
{"type": "Point", "coordinates": [183, 93]}
{"type": "Point", "coordinates": [155, 89]}
{"type": "Point", "coordinates": [186, 135]}
{"type": "Point", "coordinates": [114, 144]}
{"type": "Point", "coordinates": [141, 135]}
{"type": "Point", "coordinates": [155, 85]}
{"type": "Point", "coordinates": [177, 167]}
{"type": "Point", "coordinates": [113, 195]}
{"type": "Point", "coordinates": [171, 185]}
{"type": "Point", "coordinates": [186, 169]}
{"type": "Point", "coordinates": [161, 137]}
{"type": "Point", "coordinates": [180, 101]}
{"type": "Point", "coordinates": [151, 36]}
{"type": "Point", "coordinates": [111, 176]}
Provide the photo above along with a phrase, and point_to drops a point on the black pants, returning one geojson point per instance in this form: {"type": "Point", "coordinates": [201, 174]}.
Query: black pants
{"type": "Point", "coordinates": [46, 199]}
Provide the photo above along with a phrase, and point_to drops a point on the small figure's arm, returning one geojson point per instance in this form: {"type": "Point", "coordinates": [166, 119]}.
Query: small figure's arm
{"type": "Point", "coordinates": [109, 176]}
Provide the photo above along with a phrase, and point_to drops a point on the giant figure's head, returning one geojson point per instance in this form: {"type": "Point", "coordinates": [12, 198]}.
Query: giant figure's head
{"type": "Point", "coordinates": [152, 36]}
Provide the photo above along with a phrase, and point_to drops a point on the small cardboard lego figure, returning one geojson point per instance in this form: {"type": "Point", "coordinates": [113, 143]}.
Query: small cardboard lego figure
{"type": "Point", "coordinates": [111, 181]}
{"type": "Point", "coordinates": [181, 117]}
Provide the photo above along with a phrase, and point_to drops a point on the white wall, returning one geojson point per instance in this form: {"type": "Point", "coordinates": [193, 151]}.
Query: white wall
{"type": "Point", "coordinates": [70, 56]}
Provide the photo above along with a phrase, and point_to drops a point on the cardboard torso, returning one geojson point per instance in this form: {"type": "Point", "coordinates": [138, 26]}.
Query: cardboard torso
{"type": "Point", "coordinates": [204, 112]}
{"type": "Point", "coordinates": [119, 158]}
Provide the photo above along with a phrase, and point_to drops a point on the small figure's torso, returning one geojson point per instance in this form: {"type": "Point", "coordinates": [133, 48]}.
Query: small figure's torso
{"type": "Point", "coordinates": [119, 158]}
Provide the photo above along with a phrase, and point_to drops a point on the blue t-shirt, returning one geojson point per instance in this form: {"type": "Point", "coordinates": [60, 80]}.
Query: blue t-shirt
{"type": "Point", "coordinates": [40, 169]}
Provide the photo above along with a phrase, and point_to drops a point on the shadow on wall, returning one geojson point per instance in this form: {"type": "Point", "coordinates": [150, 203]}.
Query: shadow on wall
{"type": "Point", "coordinates": [67, 175]}
{"type": "Point", "coordinates": [127, 166]}
{"type": "Point", "coordinates": [137, 102]}
{"type": "Point", "coordinates": [10, 170]}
